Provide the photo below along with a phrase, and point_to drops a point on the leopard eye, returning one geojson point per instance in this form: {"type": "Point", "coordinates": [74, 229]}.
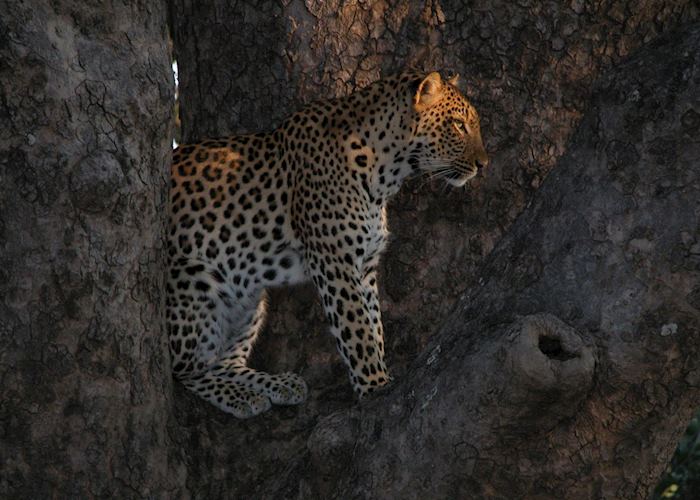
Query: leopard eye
{"type": "Point", "coordinates": [460, 127]}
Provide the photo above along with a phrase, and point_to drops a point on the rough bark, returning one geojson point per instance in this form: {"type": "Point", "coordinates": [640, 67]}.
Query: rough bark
{"type": "Point", "coordinates": [470, 417]}
{"type": "Point", "coordinates": [85, 125]}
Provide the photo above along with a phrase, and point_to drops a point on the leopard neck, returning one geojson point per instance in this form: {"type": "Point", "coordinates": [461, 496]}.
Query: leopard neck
{"type": "Point", "coordinates": [383, 147]}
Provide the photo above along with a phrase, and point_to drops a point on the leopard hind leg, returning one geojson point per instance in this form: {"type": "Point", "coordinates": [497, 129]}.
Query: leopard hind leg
{"type": "Point", "coordinates": [212, 329]}
{"type": "Point", "coordinates": [282, 389]}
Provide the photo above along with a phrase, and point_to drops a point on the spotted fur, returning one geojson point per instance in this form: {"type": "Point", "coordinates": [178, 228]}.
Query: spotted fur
{"type": "Point", "coordinates": [305, 201]}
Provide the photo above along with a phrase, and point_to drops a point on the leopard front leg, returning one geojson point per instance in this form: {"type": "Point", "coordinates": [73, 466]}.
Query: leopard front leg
{"type": "Point", "coordinates": [351, 304]}
{"type": "Point", "coordinates": [371, 292]}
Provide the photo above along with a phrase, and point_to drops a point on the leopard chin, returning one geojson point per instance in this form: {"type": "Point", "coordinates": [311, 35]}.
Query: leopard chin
{"type": "Point", "coordinates": [463, 178]}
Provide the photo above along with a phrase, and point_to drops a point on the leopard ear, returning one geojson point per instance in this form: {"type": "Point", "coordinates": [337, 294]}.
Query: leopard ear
{"type": "Point", "coordinates": [429, 92]}
{"type": "Point", "coordinates": [454, 80]}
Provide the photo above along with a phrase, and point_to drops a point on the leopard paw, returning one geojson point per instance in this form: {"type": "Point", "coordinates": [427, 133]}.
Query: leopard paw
{"type": "Point", "coordinates": [288, 389]}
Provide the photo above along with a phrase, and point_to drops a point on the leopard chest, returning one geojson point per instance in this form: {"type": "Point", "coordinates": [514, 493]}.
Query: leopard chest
{"type": "Point", "coordinates": [377, 236]}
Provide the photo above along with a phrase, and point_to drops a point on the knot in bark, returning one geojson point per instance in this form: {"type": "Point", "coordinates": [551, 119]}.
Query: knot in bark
{"type": "Point", "coordinates": [549, 370]}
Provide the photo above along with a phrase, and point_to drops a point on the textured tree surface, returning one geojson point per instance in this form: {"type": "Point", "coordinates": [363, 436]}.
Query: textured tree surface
{"type": "Point", "coordinates": [85, 124]}
{"type": "Point", "coordinates": [529, 68]}
{"type": "Point", "coordinates": [568, 364]}
{"type": "Point", "coordinates": [567, 370]}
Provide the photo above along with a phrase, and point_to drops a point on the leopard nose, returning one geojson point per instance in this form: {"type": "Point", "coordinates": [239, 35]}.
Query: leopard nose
{"type": "Point", "coordinates": [482, 159]}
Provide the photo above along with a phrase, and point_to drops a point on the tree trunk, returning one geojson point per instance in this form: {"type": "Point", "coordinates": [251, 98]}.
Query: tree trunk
{"type": "Point", "coordinates": [85, 127]}
{"type": "Point", "coordinates": [568, 370]}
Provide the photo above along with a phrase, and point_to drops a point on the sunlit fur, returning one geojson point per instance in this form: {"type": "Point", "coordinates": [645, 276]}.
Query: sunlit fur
{"type": "Point", "coordinates": [306, 201]}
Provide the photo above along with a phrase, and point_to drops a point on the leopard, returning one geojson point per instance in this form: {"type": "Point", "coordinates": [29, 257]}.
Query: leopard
{"type": "Point", "coordinates": [306, 201]}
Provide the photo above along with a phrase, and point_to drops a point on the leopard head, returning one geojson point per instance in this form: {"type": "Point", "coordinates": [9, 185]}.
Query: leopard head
{"type": "Point", "coordinates": [446, 131]}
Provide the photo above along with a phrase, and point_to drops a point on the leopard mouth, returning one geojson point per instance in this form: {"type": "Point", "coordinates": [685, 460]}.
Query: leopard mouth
{"type": "Point", "coordinates": [461, 176]}
{"type": "Point", "coordinates": [454, 173]}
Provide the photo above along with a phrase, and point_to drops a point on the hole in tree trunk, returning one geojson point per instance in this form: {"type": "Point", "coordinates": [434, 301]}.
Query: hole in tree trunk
{"type": "Point", "coordinates": [552, 348]}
